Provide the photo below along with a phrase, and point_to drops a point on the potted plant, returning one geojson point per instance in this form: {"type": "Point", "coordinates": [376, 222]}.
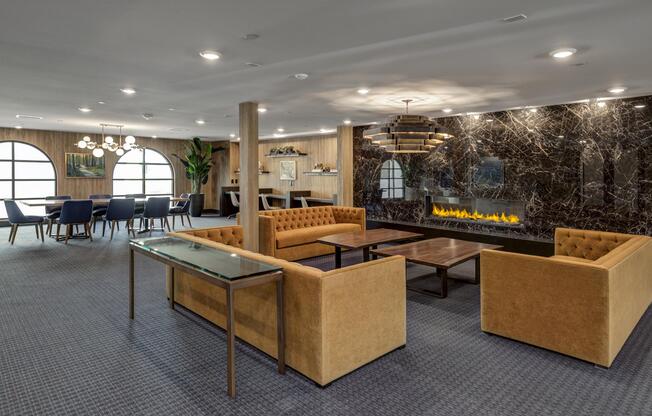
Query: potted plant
{"type": "Point", "coordinates": [198, 162]}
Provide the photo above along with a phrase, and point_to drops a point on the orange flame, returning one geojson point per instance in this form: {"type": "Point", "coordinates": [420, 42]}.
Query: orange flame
{"type": "Point", "coordinates": [466, 215]}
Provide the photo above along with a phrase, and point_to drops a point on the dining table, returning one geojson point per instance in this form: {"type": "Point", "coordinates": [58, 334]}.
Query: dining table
{"type": "Point", "coordinates": [99, 202]}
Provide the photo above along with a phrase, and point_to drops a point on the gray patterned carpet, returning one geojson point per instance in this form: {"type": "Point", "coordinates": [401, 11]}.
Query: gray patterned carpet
{"type": "Point", "coordinates": [67, 347]}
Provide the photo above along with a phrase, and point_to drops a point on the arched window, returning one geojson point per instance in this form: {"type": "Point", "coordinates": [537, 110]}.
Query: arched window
{"type": "Point", "coordinates": [143, 171]}
{"type": "Point", "coordinates": [25, 173]}
{"type": "Point", "coordinates": [391, 180]}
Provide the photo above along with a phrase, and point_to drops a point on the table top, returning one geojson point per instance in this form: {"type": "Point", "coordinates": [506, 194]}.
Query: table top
{"type": "Point", "coordinates": [361, 239]}
{"type": "Point", "coordinates": [210, 261]}
{"type": "Point", "coordinates": [437, 252]}
{"type": "Point", "coordinates": [103, 201]}
{"type": "Point", "coordinates": [315, 199]}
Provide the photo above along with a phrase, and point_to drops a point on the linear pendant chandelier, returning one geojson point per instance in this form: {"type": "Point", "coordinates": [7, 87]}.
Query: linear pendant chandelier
{"type": "Point", "coordinates": [108, 143]}
{"type": "Point", "coordinates": [407, 133]}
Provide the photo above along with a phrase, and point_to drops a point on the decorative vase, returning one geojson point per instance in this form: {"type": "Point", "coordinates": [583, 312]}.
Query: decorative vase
{"type": "Point", "coordinates": [196, 204]}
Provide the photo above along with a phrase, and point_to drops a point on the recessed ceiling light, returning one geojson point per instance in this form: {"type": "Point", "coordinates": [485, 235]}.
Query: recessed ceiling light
{"type": "Point", "coordinates": [301, 76]}
{"type": "Point", "coordinates": [563, 53]}
{"type": "Point", "coordinates": [639, 106]}
{"type": "Point", "coordinates": [28, 116]}
{"type": "Point", "coordinates": [262, 110]}
{"type": "Point", "coordinates": [19, 127]}
{"type": "Point", "coordinates": [101, 102]}
{"type": "Point", "coordinates": [128, 91]}
{"type": "Point", "coordinates": [85, 109]}
{"type": "Point", "coordinates": [254, 64]}
{"type": "Point", "coordinates": [172, 109]}
{"type": "Point", "coordinates": [232, 135]}
{"type": "Point", "coordinates": [447, 110]}
{"type": "Point", "coordinates": [200, 121]}
{"type": "Point", "coordinates": [250, 36]}
{"type": "Point", "coordinates": [280, 129]}
{"type": "Point", "coordinates": [148, 116]}
{"type": "Point", "coordinates": [617, 90]}
{"type": "Point", "coordinates": [363, 91]}
{"type": "Point", "coordinates": [209, 55]}
{"type": "Point", "coordinates": [347, 121]}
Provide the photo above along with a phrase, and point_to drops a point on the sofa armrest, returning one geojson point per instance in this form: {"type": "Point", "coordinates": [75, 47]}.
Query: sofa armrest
{"type": "Point", "coordinates": [267, 235]}
{"type": "Point", "coordinates": [350, 215]}
{"type": "Point", "coordinates": [558, 305]}
{"type": "Point", "coordinates": [364, 314]}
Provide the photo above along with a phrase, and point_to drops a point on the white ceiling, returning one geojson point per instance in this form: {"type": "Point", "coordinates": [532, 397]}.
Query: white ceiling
{"type": "Point", "coordinates": [56, 56]}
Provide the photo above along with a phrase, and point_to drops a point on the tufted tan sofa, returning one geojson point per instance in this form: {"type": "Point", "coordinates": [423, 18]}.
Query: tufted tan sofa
{"type": "Point", "coordinates": [584, 301]}
{"type": "Point", "coordinates": [335, 321]}
{"type": "Point", "coordinates": [291, 234]}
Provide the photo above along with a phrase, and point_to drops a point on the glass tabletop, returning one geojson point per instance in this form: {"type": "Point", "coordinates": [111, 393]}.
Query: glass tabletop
{"type": "Point", "coordinates": [212, 261]}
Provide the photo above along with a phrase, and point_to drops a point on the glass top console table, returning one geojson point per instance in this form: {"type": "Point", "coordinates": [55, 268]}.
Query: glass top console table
{"type": "Point", "coordinates": [221, 268]}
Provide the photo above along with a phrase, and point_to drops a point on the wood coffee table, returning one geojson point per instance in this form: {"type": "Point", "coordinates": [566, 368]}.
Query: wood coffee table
{"type": "Point", "coordinates": [364, 240]}
{"type": "Point", "coordinates": [441, 253]}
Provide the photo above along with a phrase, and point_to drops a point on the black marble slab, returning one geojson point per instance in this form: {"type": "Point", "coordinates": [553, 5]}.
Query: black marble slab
{"type": "Point", "coordinates": [584, 165]}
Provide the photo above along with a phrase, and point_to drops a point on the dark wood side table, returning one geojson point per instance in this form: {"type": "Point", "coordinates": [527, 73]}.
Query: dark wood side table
{"type": "Point", "coordinates": [441, 253]}
{"type": "Point", "coordinates": [365, 240]}
{"type": "Point", "coordinates": [226, 270]}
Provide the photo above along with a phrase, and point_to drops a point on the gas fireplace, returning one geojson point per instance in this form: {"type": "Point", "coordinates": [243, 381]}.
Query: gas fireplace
{"type": "Point", "coordinates": [481, 211]}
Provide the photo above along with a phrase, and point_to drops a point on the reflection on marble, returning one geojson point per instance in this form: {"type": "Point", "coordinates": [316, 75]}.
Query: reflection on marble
{"type": "Point", "coordinates": [577, 165]}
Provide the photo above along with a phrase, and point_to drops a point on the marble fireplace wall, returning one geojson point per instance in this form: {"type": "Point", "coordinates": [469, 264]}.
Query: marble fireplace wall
{"type": "Point", "coordinates": [585, 165]}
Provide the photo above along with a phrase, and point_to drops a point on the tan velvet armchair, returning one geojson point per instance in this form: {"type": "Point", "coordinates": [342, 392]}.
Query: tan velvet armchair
{"type": "Point", "coordinates": [584, 301]}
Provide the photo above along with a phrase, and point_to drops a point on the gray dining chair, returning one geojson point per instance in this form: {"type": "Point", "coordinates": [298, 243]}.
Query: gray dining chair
{"type": "Point", "coordinates": [235, 203]}
{"type": "Point", "coordinates": [304, 203]}
{"type": "Point", "coordinates": [157, 208]}
{"type": "Point", "coordinates": [52, 213]}
{"type": "Point", "coordinates": [17, 218]}
{"type": "Point", "coordinates": [266, 205]}
{"type": "Point", "coordinates": [99, 209]}
{"type": "Point", "coordinates": [78, 212]}
{"type": "Point", "coordinates": [181, 209]}
{"type": "Point", "coordinates": [119, 209]}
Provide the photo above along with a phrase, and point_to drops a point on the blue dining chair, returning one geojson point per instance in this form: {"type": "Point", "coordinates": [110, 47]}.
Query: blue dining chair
{"type": "Point", "coordinates": [17, 218]}
{"type": "Point", "coordinates": [76, 212]}
{"type": "Point", "coordinates": [157, 207]}
{"type": "Point", "coordinates": [54, 211]}
{"type": "Point", "coordinates": [119, 210]}
{"type": "Point", "coordinates": [99, 209]}
{"type": "Point", "coordinates": [181, 209]}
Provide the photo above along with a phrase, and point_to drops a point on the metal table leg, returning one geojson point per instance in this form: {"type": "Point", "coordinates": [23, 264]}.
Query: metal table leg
{"type": "Point", "coordinates": [131, 284]}
{"type": "Point", "coordinates": [280, 325]}
{"type": "Point", "coordinates": [230, 343]}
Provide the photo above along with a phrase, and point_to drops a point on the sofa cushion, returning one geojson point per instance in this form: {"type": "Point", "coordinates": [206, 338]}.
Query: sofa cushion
{"type": "Point", "coordinates": [231, 236]}
{"type": "Point", "coordinates": [311, 234]}
{"type": "Point", "coordinates": [291, 219]}
{"type": "Point", "coordinates": [571, 259]}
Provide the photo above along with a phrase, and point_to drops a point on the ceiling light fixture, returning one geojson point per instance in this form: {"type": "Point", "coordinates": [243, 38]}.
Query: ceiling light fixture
{"type": "Point", "coordinates": [108, 143]}
{"type": "Point", "coordinates": [280, 129]}
{"type": "Point", "coordinates": [347, 121]}
{"type": "Point", "coordinates": [232, 135]}
{"type": "Point", "coordinates": [617, 90]}
{"type": "Point", "coordinates": [301, 76]}
{"type": "Point", "coordinates": [18, 127]}
{"type": "Point", "coordinates": [85, 109]}
{"type": "Point", "coordinates": [447, 110]}
{"type": "Point", "coordinates": [254, 64]}
{"type": "Point", "coordinates": [101, 102]}
{"type": "Point", "coordinates": [363, 91]}
{"type": "Point", "coordinates": [28, 116]}
{"type": "Point", "coordinates": [407, 133]}
{"type": "Point", "coordinates": [563, 53]}
{"type": "Point", "coordinates": [533, 110]}
{"type": "Point", "coordinates": [209, 55]}
{"type": "Point", "coordinates": [262, 110]}
{"type": "Point", "coordinates": [128, 91]}
{"type": "Point", "coordinates": [200, 121]}
{"type": "Point", "coordinates": [154, 137]}
{"type": "Point", "coordinates": [172, 109]}
{"type": "Point", "coordinates": [514, 19]}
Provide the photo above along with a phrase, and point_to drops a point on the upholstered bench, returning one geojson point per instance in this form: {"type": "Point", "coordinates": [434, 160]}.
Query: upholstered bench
{"type": "Point", "coordinates": [584, 301]}
{"type": "Point", "coordinates": [292, 234]}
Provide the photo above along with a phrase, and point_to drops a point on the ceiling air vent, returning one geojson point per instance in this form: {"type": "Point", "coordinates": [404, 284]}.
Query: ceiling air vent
{"type": "Point", "coordinates": [513, 19]}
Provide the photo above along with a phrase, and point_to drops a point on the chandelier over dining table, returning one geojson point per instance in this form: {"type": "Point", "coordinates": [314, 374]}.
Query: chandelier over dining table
{"type": "Point", "coordinates": [109, 143]}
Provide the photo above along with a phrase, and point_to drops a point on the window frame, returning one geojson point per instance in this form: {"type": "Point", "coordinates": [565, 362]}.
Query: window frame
{"type": "Point", "coordinates": [143, 179]}
{"type": "Point", "coordinates": [13, 162]}
{"type": "Point", "coordinates": [394, 166]}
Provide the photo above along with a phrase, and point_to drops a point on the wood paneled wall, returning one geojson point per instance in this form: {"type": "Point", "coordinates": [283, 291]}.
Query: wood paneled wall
{"type": "Point", "coordinates": [56, 144]}
{"type": "Point", "coordinates": [319, 149]}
